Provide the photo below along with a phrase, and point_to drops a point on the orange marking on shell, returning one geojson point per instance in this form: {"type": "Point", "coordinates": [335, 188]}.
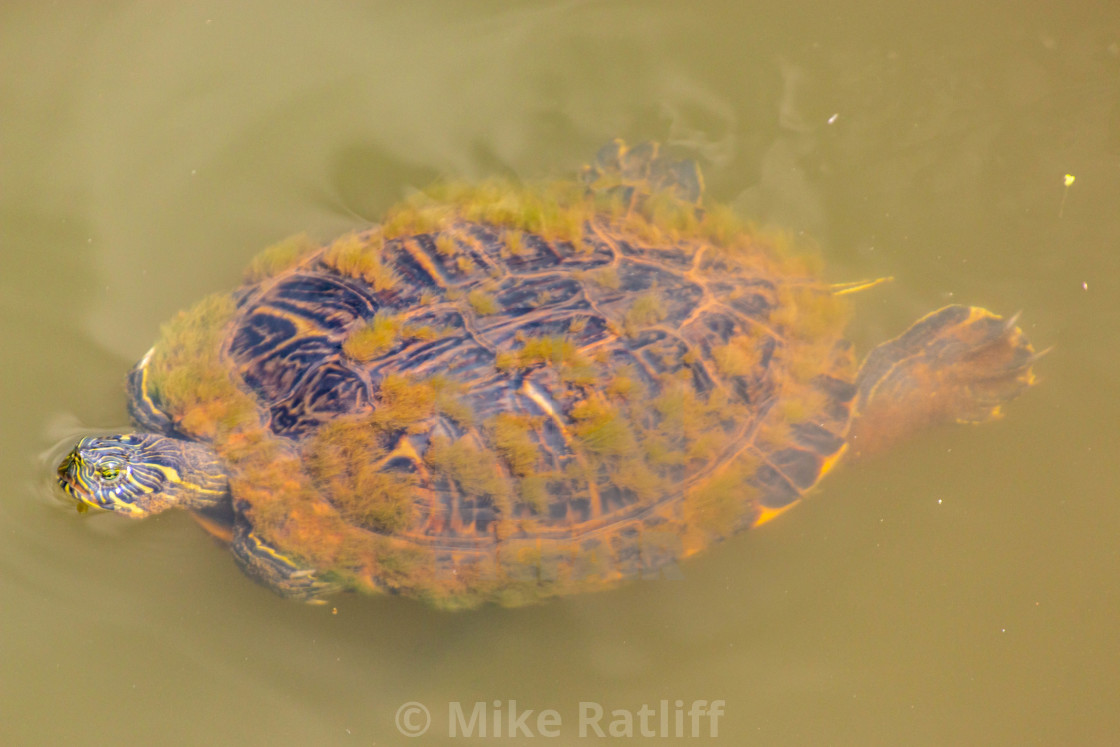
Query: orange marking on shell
{"type": "Point", "coordinates": [542, 402]}
{"type": "Point", "coordinates": [767, 514]}
{"type": "Point", "coordinates": [424, 261]}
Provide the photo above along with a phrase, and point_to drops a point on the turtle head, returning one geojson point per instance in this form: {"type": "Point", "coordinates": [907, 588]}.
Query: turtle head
{"type": "Point", "coordinates": [138, 474]}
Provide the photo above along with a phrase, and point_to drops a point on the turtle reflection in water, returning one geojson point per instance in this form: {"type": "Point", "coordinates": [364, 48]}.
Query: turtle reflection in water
{"type": "Point", "coordinates": [508, 392]}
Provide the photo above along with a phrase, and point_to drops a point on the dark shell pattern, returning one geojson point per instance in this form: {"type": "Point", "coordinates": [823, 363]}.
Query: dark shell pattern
{"type": "Point", "coordinates": [613, 400]}
{"type": "Point", "coordinates": [288, 348]}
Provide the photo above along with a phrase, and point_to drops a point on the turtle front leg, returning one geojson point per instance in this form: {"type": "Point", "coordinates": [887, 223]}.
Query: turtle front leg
{"type": "Point", "coordinates": [957, 364]}
{"type": "Point", "coordinates": [282, 574]}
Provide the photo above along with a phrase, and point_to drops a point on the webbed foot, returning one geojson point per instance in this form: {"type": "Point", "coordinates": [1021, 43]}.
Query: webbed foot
{"type": "Point", "coordinates": [279, 572]}
{"type": "Point", "coordinates": [959, 363]}
{"type": "Point", "coordinates": [635, 172]}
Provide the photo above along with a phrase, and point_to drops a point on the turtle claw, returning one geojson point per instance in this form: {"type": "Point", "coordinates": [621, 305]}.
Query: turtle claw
{"type": "Point", "coordinates": [1040, 353]}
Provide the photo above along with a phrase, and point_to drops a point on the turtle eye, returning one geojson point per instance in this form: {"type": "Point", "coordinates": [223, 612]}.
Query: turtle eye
{"type": "Point", "coordinates": [110, 470]}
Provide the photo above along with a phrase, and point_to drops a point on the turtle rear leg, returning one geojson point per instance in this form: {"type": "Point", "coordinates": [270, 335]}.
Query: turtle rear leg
{"type": "Point", "coordinates": [960, 363]}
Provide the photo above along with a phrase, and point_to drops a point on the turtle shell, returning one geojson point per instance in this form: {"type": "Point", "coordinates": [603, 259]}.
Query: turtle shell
{"type": "Point", "coordinates": [506, 392]}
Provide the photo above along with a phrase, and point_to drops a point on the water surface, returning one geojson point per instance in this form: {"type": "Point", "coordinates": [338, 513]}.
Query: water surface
{"type": "Point", "coordinates": [961, 589]}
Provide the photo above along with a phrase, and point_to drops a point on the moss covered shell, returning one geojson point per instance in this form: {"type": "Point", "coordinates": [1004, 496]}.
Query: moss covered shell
{"type": "Point", "coordinates": [510, 391]}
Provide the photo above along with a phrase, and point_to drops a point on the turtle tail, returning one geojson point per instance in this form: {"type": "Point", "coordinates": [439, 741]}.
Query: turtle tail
{"type": "Point", "coordinates": [958, 364]}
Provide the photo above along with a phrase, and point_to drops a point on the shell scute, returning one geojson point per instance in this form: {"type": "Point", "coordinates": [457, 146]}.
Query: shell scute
{"type": "Point", "coordinates": [606, 394]}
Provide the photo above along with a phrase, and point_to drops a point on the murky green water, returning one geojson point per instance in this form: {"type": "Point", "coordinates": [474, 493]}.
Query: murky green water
{"type": "Point", "coordinates": [960, 590]}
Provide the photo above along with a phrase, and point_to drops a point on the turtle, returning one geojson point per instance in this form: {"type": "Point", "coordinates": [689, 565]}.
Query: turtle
{"type": "Point", "coordinates": [508, 391]}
